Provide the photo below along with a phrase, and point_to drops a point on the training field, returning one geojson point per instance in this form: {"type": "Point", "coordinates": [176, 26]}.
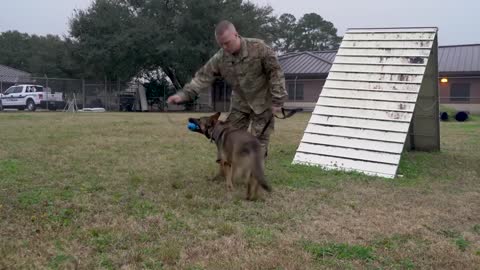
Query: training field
{"type": "Point", "coordinates": [132, 191]}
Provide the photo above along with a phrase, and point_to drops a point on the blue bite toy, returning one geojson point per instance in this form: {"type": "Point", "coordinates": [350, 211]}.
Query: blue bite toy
{"type": "Point", "coordinates": [193, 127]}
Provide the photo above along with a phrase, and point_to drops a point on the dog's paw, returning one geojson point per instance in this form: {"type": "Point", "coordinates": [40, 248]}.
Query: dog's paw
{"type": "Point", "coordinates": [228, 196]}
{"type": "Point", "coordinates": [259, 197]}
{"type": "Point", "coordinates": [217, 178]}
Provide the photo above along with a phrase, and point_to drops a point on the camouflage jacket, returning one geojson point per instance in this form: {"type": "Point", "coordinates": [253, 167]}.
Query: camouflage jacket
{"type": "Point", "coordinates": [254, 74]}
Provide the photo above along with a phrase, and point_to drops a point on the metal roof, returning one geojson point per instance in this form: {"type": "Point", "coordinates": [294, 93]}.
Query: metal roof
{"type": "Point", "coordinates": [12, 75]}
{"type": "Point", "coordinates": [451, 59]}
{"type": "Point", "coordinates": [327, 55]}
{"type": "Point", "coordinates": [307, 63]}
{"type": "Point", "coordinates": [459, 58]}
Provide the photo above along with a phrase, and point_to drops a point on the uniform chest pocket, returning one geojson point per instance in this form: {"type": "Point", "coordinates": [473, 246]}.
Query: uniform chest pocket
{"type": "Point", "coordinates": [252, 66]}
{"type": "Point", "coordinates": [228, 71]}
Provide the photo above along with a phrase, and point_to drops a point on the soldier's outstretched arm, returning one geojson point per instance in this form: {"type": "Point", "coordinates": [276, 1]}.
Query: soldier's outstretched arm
{"type": "Point", "coordinates": [277, 78]}
{"type": "Point", "coordinates": [203, 79]}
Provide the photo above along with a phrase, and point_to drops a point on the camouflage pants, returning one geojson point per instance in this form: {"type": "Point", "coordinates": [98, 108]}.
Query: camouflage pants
{"type": "Point", "coordinates": [256, 123]}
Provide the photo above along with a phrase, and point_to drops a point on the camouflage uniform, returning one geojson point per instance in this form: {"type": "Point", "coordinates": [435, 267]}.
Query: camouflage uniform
{"type": "Point", "coordinates": [257, 83]}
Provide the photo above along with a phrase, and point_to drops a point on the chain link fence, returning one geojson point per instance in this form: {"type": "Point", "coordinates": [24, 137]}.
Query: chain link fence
{"type": "Point", "coordinates": [133, 96]}
{"type": "Point", "coordinates": [118, 95]}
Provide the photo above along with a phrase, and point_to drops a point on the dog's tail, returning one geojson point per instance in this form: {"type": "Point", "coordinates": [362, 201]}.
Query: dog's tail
{"type": "Point", "coordinates": [258, 173]}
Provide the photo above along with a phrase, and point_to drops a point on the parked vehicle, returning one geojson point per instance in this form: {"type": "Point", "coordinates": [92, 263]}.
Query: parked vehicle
{"type": "Point", "coordinates": [31, 97]}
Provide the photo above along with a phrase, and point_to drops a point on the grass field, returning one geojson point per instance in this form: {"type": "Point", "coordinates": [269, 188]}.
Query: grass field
{"type": "Point", "coordinates": [132, 191]}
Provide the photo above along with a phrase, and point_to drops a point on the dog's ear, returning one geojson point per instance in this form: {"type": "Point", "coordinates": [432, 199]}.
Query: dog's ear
{"type": "Point", "coordinates": [215, 116]}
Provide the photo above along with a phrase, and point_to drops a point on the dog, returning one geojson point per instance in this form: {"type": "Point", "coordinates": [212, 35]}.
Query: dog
{"type": "Point", "coordinates": [239, 154]}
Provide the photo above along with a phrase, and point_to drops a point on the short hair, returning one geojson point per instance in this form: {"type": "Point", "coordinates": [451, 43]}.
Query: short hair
{"type": "Point", "coordinates": [223, 26]}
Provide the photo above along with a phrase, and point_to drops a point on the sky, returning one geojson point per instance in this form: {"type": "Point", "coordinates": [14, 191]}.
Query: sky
{"type": "Point", "coordinates": [458, 21]}
{"type": "Point", "coordinates": [39, 17]}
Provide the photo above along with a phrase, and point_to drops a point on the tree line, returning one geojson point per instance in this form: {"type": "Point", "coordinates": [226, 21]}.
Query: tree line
{"type": "Point", "coordinates": [123, 39]}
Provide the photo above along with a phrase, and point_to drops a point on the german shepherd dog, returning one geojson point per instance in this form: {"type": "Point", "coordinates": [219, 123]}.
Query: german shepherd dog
{"type": "Point", "coordinates": [239, 154]}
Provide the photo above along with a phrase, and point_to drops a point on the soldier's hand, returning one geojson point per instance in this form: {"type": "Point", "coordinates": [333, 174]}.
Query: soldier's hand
{"type": "Point", "coordinates": [175, 99]}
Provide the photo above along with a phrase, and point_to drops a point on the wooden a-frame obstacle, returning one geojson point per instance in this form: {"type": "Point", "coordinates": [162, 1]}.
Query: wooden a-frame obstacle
{"type": "Point", "coordinates": [380, 97]}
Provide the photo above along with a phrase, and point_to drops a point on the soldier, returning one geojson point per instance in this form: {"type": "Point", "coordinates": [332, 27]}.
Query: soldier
{"type": "Point", "coordinates": [252, 70]}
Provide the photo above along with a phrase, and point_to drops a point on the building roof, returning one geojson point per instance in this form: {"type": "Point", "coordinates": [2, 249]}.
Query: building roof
{"type": "Point", "coordinates": [451, 59]}
{"type": "Point", "coordinates": [12, 75]}
{"type": "Point", "coordinates": [307, 63]}
{"type": "Point", "coordinates": [459, 58]}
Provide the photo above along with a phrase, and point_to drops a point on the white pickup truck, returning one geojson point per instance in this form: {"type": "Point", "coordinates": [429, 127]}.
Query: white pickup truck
{"type": "Point", "coordinates": [31, 97]}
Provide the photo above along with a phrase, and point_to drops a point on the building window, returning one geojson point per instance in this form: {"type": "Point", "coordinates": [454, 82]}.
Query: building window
{"type": "Point", "coordinates": [460, 92]}
{"type": "Point", "coordinates": [295, 91]}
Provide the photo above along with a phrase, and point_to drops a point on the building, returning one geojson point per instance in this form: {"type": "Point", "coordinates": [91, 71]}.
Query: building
{"type": "Point", "coordinates": [459, 68]}
{"type": "Point", "coordinates": [305, 74]}
{"type": "Point", "coordinates": [10, 76]}
{"type": "Point", "coordinates": [459, 76]}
